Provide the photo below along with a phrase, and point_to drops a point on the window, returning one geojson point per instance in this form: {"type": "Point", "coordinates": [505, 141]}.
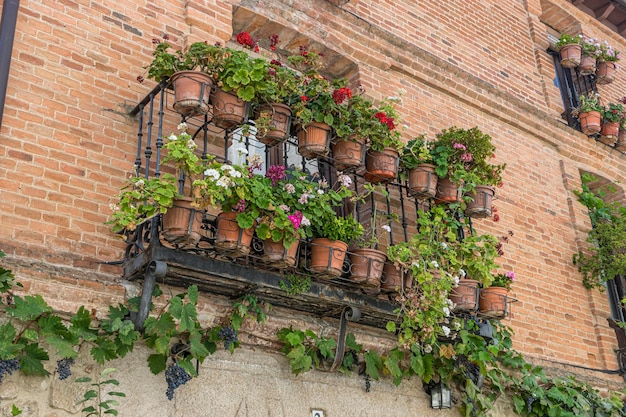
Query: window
{"type": "Point", "coordinates": [572, 85]}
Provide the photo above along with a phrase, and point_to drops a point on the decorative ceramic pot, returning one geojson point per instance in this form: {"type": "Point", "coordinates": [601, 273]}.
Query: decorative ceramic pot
{"type": "Point", "coordinates": [493, 301]}
{"type": "Point", "coordinates": [314, 140]}
{"type": "Point", "coordinates": [327, 257]}
{"type": "Point", "coordinates": [590, 122]}
{"type": "Point", "coordinates": [366, 266]}
{"type": "Point", "coordinates": [605, 72]}
{"type": "Point", "coordinates": [228, 109]}
{"type": "Point", "coordinates": [348, 153]}
{"type": "Point", "coordinates": [423, 181]}
{"type": "Point", "coordinates": [279, 116]}
{"type": "Point", "coordinates": [192, 91]}
{"type": "Point", "coordinates": [609, 132]}
{"type": "Point", "coordinates": [381, 166]}
{"type": "Point", "coordinates": [276, 254]}
{"type": "Point", "coordinates": [481, 205]}
{"type": "Point", "coordinates": [465, 295]}
{"type": "Point", "coordinates": [230, 239]}
{"type": "Point", "coordinates": [182, 223]}
{"type": "Point", "coordinates": [447, 191]}
{"type": "Point", "coordinates": [571, 56]}
{"type": "Point", "coordinates": [587, 65]}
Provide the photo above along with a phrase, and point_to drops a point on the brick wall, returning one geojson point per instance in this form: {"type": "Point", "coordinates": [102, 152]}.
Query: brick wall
{"type": "Point", "coordinates": [67, 143]}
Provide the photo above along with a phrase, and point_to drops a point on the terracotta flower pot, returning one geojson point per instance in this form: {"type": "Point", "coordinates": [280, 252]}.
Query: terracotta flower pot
{"type": "Point", "coordinates": [276, 254]}
{"type": "Point", "coordinates": [609, 132]}
{"type": "Point", "coordinates": [481, 205]}
{"type": "Point", "coordinates": [182, 223]}
{"type": "Point", "coordinates": [228, 109]}
{"type": "Point", "coordinates": [394, 279]}
{"type": "Point", "coordinates": [423, 181]}
{"type": "Point", "coordinates": [493, 301]}
{"type": "Point", "coordinates": [381, 166]}
{"type": "Point", "coordinates": [587, 65]}
{"type": "Point", "coordinates": [366, 266]}
{"type": "Point", "coordinates": [327, 257]}
{"type": "Point", "coordinates": [314, 140]}
{"type": "Point", "coordinates": [192, 91]}
{"type": "Point", "coordinates": [571, 56]}
{"type": "Point", "coordinates": [605, 72]}
{"type": "Point", "coordinates": [280, 120]}
{"type": "Point", "coordinates": [465, 295]}
{"type": "Point", "coordinates": [590, 122]}
{"type": "Point", "coordinates": [348, 153]}
{"type": "Point", "coordinates": [230, 239]}
{"type": "Point", "coordinates": [447, 191]}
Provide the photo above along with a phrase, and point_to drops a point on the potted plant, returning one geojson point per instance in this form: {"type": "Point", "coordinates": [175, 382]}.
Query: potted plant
{"type": "Point", "coordinates": [430, 257]}
{"type": "Point", "coordinates": [272, 115]}
{"type": "Point", "coordinates": [589, 113]}
{"type": "Point", "coordinates": [461, 158]}
{"type": "Point", "coordinates": [607, 64]}
{"type": "Point", "coordinates": [396, 277]}
{"type": "Point", "coordinates": [189, 72]}
{"type": "Point", "coordinates": [570, 50]}
{"type": "Point", "coordinates": [590, 49]}
{"type": "Point", "coordinates": [367, 260]}
{"type": "Point", "coordinates": [329, 248]}
{"type": "Point", "coordinates": [240, 194]}
{"type": "Point", "coordinates": [418, 167]}
{"type": "Point", "coordinates": [612, 115]}
{"type": "Point", "coordinates": [314, 111]}
{"type": "Point", "coordinates": [142, 198]}
{"type": "Point", "coordinates": [385, 144]}
{"type": "Point", "coordinates": [493, 299]}
{"type": "Point", "coordinates": [352, 126]}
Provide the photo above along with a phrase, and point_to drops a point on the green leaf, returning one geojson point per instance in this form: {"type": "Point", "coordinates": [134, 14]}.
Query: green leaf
{"type": "Point", "coordinates": [188, 317]}
{"type": "Point", "coordinates": [157, 363]}
{"type": "Point", "coordinates": [373, 363]}
{"type": "Point", "coordinates": [15, 411]}
{"type": "Point", "coordinates": [187, 366]}
{"type": "Point", "coordinates": [392, 363]}
{"type": "Point", "coordinates": [197, 348]}
{"type": "Point", "coordinates": [8, 348]}
{"type": "Point", "coordinates": [391, 326]}
{"type": "Point", "coordinates": [176, 307]}
{"type": "Point", "coordinates": [327, 347]}
{"type": "Point", "coordinates": [65, 349]}
{"type": "Point", "coordinates": [417, 363]}
{"type": "Point", "coordinates": [28, 308]}
{"type": "Point", "coordinates": [83, 379]}
{"type": "Point", "coordinates": [31, 360]}
{"type": "Point", "coordinates": [192, 294]}
{"type": "Point", "coordinates": [429, 370]}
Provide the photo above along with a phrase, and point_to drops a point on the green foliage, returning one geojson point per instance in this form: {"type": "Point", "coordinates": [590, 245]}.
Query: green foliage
{"type": "Point", "coordinates": [588, 103]}
{"type": "Point", "coordinates": [15, 411]}
{"type": "Point", "coordinates": [605, 258]}
{"type": "Point", "coordinates": [613, 112]}
{"type": "Point", "coordinates": [242, 74]}
{"type": "Point", "coordinates": [199, 57]}
{"type": "Point", "coordinates": [417, 151]}
{"type": "Point", "coordinates": [566, 39]}
{"type": "Point", "coordinates": [295, 284]}
{"type": "Point", "coordinates": [101, 404]}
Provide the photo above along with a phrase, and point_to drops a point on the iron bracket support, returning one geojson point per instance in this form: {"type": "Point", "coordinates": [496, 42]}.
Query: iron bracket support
{"type": "Point", "coordinates": [156, 269]}
{"type": "Point", "coordinates": [347, 314]}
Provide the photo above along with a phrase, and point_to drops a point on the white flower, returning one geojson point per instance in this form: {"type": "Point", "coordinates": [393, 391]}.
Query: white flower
{"type": "Point", "coordinates": [386, 227]}
{"type": "Point", "coordinates": [140, 183]}
{"type": "Point", "coordinates": [456, 280]}
{"type": "Point", "coordinates": [320, 192]}
{"type": "Point", "coordinates": [284, 207]}
{"type": "Point", "coordinates": [242, 151]}
{"type": "Point", "coordinates": [305, 221]}
{"type": "Point", "coordinates": [289, 188]}
{"type": "Point", "coordinates": [191, 144]}
{"type": "Point", "coordinates": [182, 127]}
{"type": "Point", "coordinates": [435, 264]}
{"type": "Point", "coordinates": [212, 173]}
{"type": "Point", "coordinates": [224, 182]}
{"type": "Point", "coordinates": [428, 349]}
{"type": "Point", "coordinates": [173, 137]}
{"type": "Point", "coordinates": [446, 330]}
{"type": "Point", "coordinates": [235, 174]}
{"type": "Point", "coordinates": [344, 180]}
{"type": "Point", "coordinates": [450, 302]}
{"type": "Point", "coordinates": [446, 311]}
{"type": "Point", "coordinates": [462, 272]}
{"type": "Point", "coordinates": [228, 168]}
{"type": "Point", "coordinates": [457, 325]}
{"type": "Point", "coordinates": [114, 207]}
{"type": "Point", "coordinates": [444, 245]}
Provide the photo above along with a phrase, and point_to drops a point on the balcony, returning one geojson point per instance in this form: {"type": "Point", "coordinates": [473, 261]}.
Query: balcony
{"type": "Point", "coordinates": [151, 257]}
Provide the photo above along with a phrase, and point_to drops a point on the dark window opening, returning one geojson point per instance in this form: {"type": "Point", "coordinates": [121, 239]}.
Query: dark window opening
{"type": "Point", "coordinates": [572, 85]}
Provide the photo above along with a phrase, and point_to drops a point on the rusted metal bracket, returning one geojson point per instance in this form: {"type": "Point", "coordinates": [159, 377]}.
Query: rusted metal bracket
{"type": "Point", "coordinates": [155, 269]}
{"type": "Point", "coordinates": [348, 314]}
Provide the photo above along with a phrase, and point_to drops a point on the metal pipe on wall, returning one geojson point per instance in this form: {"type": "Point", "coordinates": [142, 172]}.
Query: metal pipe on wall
{"type": "Point", "coordinates": [7, 34]}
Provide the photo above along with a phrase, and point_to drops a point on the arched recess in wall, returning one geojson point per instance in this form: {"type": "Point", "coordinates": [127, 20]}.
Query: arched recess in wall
{"type": "Point", "coordinates": [261, 28]}
{"type": "Point", "coordinates": [616, 287]}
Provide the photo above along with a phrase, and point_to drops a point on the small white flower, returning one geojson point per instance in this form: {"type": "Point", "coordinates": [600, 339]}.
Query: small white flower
{"type": "Point", "coordinates": [435, 264]}
{"type": "Point", "coordinates": [191, 144]}
{"type": "Point", "coordinates": [228, 168]}
{"type": "Point", "coordinates": [305, 221]}
{"type": "Point", "coordinates": [428, 349]}
{"type": "Point", "coordinates": [242, 151]}
{"type": "Point", "coordinates": [456, 280]}
{"type": "Point", "coordinates": [444, 245]}
{"type": "Point", "coordinates": [173, 137]}
{"type": "Point", "coordinates": [224, 182]}
{"type": "Point", "coordinates": [140, 183]}
{"type": "Point", "coordinates": [450, 303]}
{"type": "Point", "coordinates": [212, 173]}
{"type": "Point", "coordinates": [284, 207]}
{"type": "Point", "coordinates": [344, 180]}
{"type": "Point", "coordinates": [235, 174]}
{"type": "Point", "coordinates": [462, 272]}
{"type": "Point", "coordinates": [320, 192]}
{"type": "Point", "coordinates": [446, 330]}
{"type": "Point", "coordinates": [114, 207]}
{"type": "Point", "coordinates": [182, 127]}
{"type": "Point", "coordinates": [446, 311]}
{"type": "Point", "coordinates": [386, 228]}
{"type": "Point", "coordinates": [289, 188]}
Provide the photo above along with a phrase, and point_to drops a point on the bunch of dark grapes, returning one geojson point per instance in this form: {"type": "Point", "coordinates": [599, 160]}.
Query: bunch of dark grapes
{"type": "Point", "coordinates": [368, 383]}
{"type": "Point", "coordinates": [472, 372]}
{"type": "Point", "coordinates": [64, 368]}
{"type": "Point", "coordinates": [175, 376]}
{"type": "Point", "coordinates": [529, 403]}
{"type": "Point", "coordinates": [7, 366]}
{"type": "Point", "coordinates": [229, 336]}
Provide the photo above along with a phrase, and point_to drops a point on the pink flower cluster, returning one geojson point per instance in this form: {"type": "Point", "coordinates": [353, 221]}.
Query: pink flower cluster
{"type": "Point", "coordinates": [459, 146]}
{"type": "Point", "coordinates": [510, 275]}
{"type": "Point", "coordinates": [276, 173]}
{"type": "Point", "coordinates": [296, 219]}
{"type": "Point", "coordinates": [466, 157]}
{"type": "Point", "coordinates": [240, 207]}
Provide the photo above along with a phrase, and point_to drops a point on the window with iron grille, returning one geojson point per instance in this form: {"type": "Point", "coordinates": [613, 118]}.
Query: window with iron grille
{"type": "Point", "coordinates": [572, 85]}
